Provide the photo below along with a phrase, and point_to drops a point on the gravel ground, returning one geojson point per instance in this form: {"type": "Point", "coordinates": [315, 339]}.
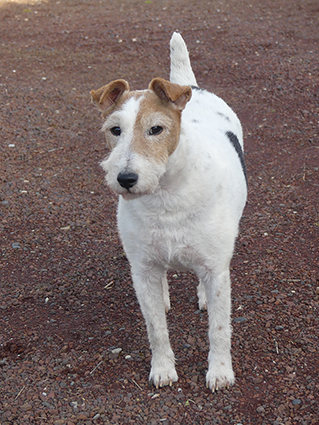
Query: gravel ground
{"type": "Point", "coordinates": [73, 344]}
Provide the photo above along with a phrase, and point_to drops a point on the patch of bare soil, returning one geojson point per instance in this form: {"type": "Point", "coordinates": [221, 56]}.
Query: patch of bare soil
{"type": "Point", "coordinates": [73, 345]}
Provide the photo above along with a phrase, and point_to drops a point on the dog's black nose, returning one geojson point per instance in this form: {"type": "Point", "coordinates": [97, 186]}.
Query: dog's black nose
{"type": "Point", "coordinates": [127, 180]}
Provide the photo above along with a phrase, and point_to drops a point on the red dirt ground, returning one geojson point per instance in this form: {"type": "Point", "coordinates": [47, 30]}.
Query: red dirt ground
{"type": "Point", "coordinates": [66, 295]}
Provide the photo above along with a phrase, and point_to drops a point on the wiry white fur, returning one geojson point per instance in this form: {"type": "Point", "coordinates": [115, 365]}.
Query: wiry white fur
{"type": "Point", "coordinates": [183, 215]}
{"type": "Point", "coordinates": [181, 70]}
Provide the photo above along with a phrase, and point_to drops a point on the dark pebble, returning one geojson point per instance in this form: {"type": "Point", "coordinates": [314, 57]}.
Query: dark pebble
{"type": "Point", "coordinates": [239, 319]}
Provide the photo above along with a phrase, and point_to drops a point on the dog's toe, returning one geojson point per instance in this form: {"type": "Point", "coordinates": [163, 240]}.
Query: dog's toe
{"type": "Point", "coordinates": [202, 305]}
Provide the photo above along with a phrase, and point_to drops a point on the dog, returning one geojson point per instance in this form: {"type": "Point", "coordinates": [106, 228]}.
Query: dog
{"type": "Point", "coordinates": [177, 163]}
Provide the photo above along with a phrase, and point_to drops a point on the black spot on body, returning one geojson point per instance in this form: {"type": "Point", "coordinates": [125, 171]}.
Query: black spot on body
{"type": "Point", "coordinates": [235, 142]}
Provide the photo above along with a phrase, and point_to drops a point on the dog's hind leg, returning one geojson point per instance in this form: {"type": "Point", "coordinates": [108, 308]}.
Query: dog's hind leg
{"type": "Point", "coordinates": [220, 372]}
{"type": "Point", "coordinates": [148, 283]}
{"type": "Point", "coordinates": [167, 302]}
{"type": "Point", "coordinates": [201, 294]}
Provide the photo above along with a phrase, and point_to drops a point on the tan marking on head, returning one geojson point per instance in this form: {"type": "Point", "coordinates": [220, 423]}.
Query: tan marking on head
{"type": "Point", "coordinates": [161, 106]}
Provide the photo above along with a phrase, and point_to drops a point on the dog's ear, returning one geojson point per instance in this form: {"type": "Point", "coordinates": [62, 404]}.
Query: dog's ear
{"type": "Point", "coordinates": [169, 92]}
{"type": "Point", "coordinates": [107, 96]}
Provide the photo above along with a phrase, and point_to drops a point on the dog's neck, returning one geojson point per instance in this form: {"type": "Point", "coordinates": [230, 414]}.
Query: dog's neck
{"type": "Point", "coordinates": [177, 172]}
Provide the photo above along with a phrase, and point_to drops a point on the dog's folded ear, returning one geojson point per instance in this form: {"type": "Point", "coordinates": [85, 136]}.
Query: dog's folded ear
{"type": "Point", "coordinates": [108, 96]}
{"type": "Point", "coordinates": [170, 92]}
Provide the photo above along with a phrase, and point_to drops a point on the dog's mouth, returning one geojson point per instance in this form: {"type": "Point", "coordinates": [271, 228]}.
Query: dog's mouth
{"type": "Point", "coordinates": [135, 192]}
{"type": "Point", "coordinates": [127, 195]}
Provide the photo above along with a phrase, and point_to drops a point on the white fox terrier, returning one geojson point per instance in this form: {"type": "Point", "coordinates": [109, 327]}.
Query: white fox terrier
{"type": "Point", "coordinates": [177, 161]}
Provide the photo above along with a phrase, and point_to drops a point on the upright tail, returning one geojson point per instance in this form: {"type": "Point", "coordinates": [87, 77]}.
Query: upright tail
{"type": "Point", "coordinates": [181, 69]}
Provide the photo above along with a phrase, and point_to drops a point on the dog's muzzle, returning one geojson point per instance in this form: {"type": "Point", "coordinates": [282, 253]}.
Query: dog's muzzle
{"type": "Point", "coordinates": [127, 180]}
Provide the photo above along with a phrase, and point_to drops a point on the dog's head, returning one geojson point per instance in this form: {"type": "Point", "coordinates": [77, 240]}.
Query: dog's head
{"type": "Point", "coordinates": [142, 129]}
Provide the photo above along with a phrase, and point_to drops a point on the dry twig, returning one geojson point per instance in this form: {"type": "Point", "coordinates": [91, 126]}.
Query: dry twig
{"type": "Point", "coordinates": [96, 367]}
{"type": "Point", "coordinates": [20, 392]}
{"type": "Point", "coordinates": [134, 382]}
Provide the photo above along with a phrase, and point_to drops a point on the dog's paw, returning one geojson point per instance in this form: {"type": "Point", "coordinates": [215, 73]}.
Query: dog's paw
{"type": "Point", "coordinates": [163, 375]}
{"type": "Point", "coordinates": [218, 379]}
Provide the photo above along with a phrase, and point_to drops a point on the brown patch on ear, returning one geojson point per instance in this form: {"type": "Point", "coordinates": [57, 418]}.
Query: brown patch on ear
{"type": "Point", "coordinates": [170, 92]}
{"type": "Point", "coordinates": [107, 97]}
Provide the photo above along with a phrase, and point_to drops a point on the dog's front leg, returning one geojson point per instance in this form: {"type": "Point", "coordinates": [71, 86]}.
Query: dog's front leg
{"type": "Point", "coordinates": [220, 372]}
{"type": "Point", "coordinates": [148, 283]}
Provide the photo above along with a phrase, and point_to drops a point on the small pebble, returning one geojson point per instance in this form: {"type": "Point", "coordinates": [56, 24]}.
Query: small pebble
{"type": "Point", "coordinates": [82, 416]}
{"type": "Point", "coordinates": [296, 401]}
{"type": "Point", "coordinates": [239, 319]}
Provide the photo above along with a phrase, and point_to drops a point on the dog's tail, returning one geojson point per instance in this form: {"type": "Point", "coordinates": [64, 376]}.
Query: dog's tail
{"type": "Point", "coordinates": [181, 69]}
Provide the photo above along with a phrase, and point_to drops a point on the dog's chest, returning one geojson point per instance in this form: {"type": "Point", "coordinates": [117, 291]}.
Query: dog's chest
{"type": "Point", "coordinates": [174, 246]}
{"type": "Point", "coordinates": [173, 240]}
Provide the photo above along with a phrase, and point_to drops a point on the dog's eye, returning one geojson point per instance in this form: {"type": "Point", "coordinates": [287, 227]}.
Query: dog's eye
{"type": "Point", "coordinates": [157, 129]}
{"type": "Point", "coordinates": [116, 131]}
